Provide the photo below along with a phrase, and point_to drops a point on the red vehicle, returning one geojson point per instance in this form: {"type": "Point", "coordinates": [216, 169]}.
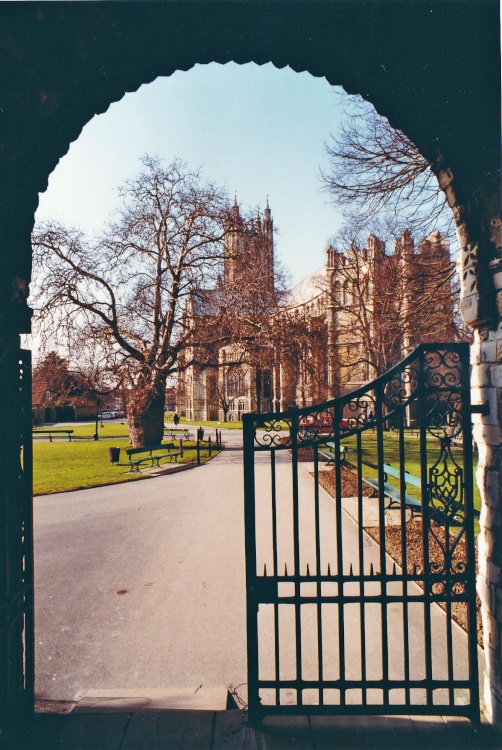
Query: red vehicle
{"type": "Point", "coordinates": [316, 424]}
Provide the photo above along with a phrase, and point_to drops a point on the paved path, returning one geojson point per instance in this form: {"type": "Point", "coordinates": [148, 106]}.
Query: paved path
{"type": "Point", "coordinates": [142, 585]}
{"type": "Point", "coordinates": [228, 730]}
{"type": "Point", "coordinates": [174, 546]}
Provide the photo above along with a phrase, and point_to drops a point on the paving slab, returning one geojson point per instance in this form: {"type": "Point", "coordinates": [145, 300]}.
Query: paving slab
{"type": "Point", "coordinates": [232, 733]}
{"type": "Point", "coordinates": [371, 515]}
{"type": "Point", "coordinates": [149, 701]}
{"type": "Point", "coordinates": [229, 730]}
{"type": "Point", "coordinates": [285, 733]}
{"type": "Point", "coordinates": [84, 732]}
{"type": "Point", "coordinates": [178, 730]}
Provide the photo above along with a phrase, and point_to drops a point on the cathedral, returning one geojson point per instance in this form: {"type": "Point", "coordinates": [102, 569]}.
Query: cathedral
{"type": "Point", "coordinates": [344, 325]}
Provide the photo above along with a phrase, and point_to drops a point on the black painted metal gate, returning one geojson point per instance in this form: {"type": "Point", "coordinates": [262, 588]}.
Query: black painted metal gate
{"type": "Point", "coordinates": [355, 598]}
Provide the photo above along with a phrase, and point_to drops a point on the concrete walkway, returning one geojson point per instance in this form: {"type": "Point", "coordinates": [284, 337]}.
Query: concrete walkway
{"type": "Point", "coordinates": [142, 584]}
{"type": "Point", "coordinates": [141, 587]}
{"type": "Point", "coordinates": [227, 730]}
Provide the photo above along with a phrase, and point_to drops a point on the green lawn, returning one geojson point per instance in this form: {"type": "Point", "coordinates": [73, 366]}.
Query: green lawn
{"type": "Point", "coordinates": [63, 466]}
{"type": "Point", "coordinates": [412, 459]}
{"type": "Point", "coordinates": [108, 430]}
{"type": "Point", "coordinates": [202, 423]}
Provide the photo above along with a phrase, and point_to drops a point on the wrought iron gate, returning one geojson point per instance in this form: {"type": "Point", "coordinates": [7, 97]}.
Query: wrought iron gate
{"type": "Point", "coordinates": [343, 591]}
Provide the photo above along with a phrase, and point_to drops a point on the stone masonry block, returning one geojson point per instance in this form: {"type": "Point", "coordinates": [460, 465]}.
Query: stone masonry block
{"type": "Point", "coordinates": [499, 351]}
{"type": "Point", "coordinates": [491, 396]}
{"type": "Point", "coordinates": [471, 307]}
{"type": "Point", "coordinates": [492, 485]}
{"type": "Point", "coordinates": [480, 375]}
{"type": "Point", "coordinates": [494, 628]}
{"type": "Point", "coordinates": [497, 280]}
{"type": "Point", "coordinates": [475, 352]}
{"type": "Point", "coordinates": [487, 433]}
{"type": "Point", "coordinates": [482, 588]}
{"type": "Point", "coordinates": [496, 375]}
{"type": "Point", "coordinates": [492, 606]}
{"type": "Point", "coordinates": [486, 543]}
{"type": "Point", "coordinates": [488, 351]}
{"type": "Point", "coordinates": [498, 595]}
{"type": "Point", "coordinates": [494, 574]}
{"type": "Point", "coordinates": [488, 482]}
{"type": "Point", "coordinates": [489, 456]}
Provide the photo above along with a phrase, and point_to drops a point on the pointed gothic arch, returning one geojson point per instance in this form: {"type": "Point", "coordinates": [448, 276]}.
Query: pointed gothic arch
{"type": "Point", "coordinates": [430, 68]}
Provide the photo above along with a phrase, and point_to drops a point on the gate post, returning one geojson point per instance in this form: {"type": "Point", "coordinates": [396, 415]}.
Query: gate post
{"type": "Point", "coordinates": [486, 358]}
{"type": "Point", "coordinates": [478, 220]}
{"type": "Point", "coordinates": [16, 570]}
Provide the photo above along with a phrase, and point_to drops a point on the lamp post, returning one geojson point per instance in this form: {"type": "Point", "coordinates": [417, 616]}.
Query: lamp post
{"type": "Point", "coordinates": [96, 433]}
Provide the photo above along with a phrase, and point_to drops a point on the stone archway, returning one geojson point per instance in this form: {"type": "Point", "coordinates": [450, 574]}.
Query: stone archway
{"type": "Point", "coordinates": [431, 68]}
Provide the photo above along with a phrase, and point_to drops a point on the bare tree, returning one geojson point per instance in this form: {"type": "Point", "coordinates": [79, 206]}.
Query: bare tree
{"type": "Point", "coordinates": [225, 403]}
{"type": "Point", "coordinates": [129, 288]}
{"type": "Point", "coordinates": [100, 369]}
{"type": "Point", "coordinates": [54, 374]}
{"type": "Point", "coordinates": [376, 170]}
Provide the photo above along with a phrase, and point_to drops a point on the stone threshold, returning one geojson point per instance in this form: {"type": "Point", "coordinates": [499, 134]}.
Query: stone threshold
{"type": "Point", "coordinates": [137, 700]}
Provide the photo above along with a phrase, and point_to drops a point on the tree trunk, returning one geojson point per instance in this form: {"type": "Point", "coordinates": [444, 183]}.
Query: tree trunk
{"type": "Point", "coordinates": [145, 416]}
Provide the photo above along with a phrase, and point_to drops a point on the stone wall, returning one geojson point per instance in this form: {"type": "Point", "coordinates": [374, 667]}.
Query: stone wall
{"type": "Point", "coordinates": [486, 357]}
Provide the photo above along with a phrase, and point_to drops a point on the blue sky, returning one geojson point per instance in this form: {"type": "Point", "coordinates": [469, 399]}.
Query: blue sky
{"type": "Point", "coordinates": [257, 131]}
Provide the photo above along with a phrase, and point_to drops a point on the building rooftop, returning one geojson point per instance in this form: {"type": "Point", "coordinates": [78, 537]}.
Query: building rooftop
{"type": "Point", "coordinates": [307, 289]}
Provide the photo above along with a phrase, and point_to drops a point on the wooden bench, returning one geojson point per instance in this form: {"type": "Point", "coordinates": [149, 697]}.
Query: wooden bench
{"type": "Point", "coordinates": [391, 492]}
{"type": "Point", "coordinates": [153, 454]}
{"type": "Point", "coordinates": [177, 432]}
{"type": "Point", "coordinates": [329, 452]}
{"type": "Point", "coordinates": [56, 432]}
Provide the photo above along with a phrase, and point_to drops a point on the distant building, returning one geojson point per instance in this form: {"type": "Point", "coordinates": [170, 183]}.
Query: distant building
{"type": "Point", "coordinates": [49, 407]}
{"type": "Point", "coordinates": [350, 320]}
{"type": "Point", "coordinates": [59, 395]}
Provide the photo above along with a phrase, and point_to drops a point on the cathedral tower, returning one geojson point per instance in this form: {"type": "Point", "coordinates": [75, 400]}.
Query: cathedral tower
{"type": "Point", "coordinates": [249, 248]}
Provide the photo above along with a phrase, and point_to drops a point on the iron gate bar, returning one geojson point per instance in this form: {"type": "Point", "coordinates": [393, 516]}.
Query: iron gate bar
{"type": "Point", "coordinates": [432, 386]}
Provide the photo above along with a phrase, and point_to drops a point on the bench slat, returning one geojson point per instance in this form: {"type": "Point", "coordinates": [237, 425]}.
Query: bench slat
{"type": "Point", "coordinates": [330, 454]}
{"type": "Point", "coordinates": [149, 451]}
{"type": "Point", "coordinates": [394, 493]}
{"type": "Point", "coordinates": [408, 478]}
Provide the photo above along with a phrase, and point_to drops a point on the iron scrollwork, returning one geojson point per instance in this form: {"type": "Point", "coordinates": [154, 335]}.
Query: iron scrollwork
{"type": "Point", "coordinates": [273, 433]}
{"type": "Point", "coordinates": [401, 388]}
{"type": "Point", "coordinates": [358, 413]}
{"type": "Point", "coordinates": [446, 488]}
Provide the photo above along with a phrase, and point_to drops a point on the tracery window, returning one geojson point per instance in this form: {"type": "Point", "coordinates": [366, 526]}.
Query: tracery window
{"type": "Point", "coordinates": [267, 384]}
{"type": "Point", "coordinates": [235, 383]}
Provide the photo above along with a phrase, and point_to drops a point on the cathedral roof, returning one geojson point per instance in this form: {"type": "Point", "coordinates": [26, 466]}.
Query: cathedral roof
{"type": "Point", "coordinates": [307, 289]}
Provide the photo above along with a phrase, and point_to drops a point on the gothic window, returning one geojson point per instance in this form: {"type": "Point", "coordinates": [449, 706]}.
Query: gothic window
{"type": "Point", "coordinates": [212, 389]}
{"type": "Point", "coordinates": [267, 384]}
{"type": "Point", "coordinates": [347, 296]}
{"type": "Point", "coordinates": [235, 383]}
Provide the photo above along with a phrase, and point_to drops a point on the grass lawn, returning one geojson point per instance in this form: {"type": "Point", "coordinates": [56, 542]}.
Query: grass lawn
{"type": "Point", "coordinates": [201, 423]}
{"type": "Point", "coordinates": [63, 466]}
